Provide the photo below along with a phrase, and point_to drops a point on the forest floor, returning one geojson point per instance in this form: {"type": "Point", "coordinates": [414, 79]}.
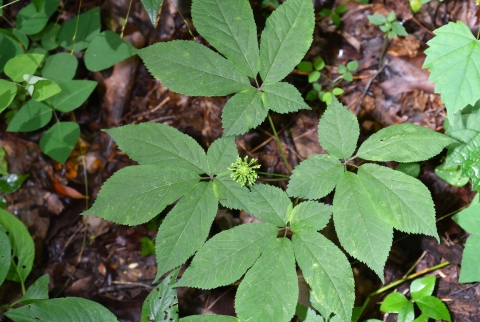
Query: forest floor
{"type": "Point", "coordinates": [113, 265]}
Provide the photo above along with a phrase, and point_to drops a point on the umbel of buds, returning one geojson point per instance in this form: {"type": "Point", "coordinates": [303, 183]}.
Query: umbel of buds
{"type": "Point", "coordinates": [243, 171]}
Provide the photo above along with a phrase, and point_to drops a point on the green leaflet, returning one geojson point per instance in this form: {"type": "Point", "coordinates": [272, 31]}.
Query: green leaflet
{"type": "Point", "coordinates": [451, 60]}
{"type": "Point", "coordinates": [402, 201]}
{"type": "Point", "coordinates": [434, 308]}
{"type": "Point", "coordinates": [360, 228]}
{"type": "Point", "coordinates": [153, 8]}
{"type": "Point", "coordinates": [209, 318]}
{"type": "Point", "coordinates": [394, 302]}
{"type": "Point", "coordinates": [71, 309]}
{"type": "Point", "coordinates": [42, 88]}
{"type": "Point", "coordinates": [31, 21]}
{"type": "Point", "coordinates": [338, 130]}
{"type": "Point", "coordinates": [309, 215]}
{"type": "Point", "coordinates": [283, 98]}
{"type": "Point", "coordinates": [10, 49]}
{"type": "Point", "coordinates": [285, 40]}
{"type": "Point", "coordinates": [189, 68]}
{"type": "Point", "coordinates": [422, 287]}
{"type": "Point", "coordinates": [106, 50]}
{"type": "Point", "coordinates": [229, 27]}
{"type": "Point", "coordinates": [463, 136]}
{"type": "Point", "coordinates": [60, 67]}
{"type": "Point", "coordinates": [306, 314]}
{"type": "Point", "coordinates": [135, 194]}
{"type": "Point", "coordinates": [49, 38]}
{"type": "Point", "coordinates": [88, 28]}
{"type": "Point", "coordinates": [315, 177]}
{"type": "Point", "coordinates": [403, 143]}
{"type": "Point", "coordinates": [327, 271]}
{"type": "Point", "coordinates": [406, 313]}
{"type": "Point", "coordinates": [22, 246]}
{"type": "Point", "coordinates": [32, 116]}
{"type": "Point", "coordinates": [221, 154]}
{"type": "Point", "coordinates": [421, 318]}
{"type": "Point", "coordinates": [21, 65]}
{"type": "Point", "coordinates": [162, 302]}
{"type": "Point", "coordinates": [468, 156]}
{"type": "Point", "coordinates": [230, 194]}
{"type": "Point", "coordinates": [270, 204]}
{"type": "Point", "coordinates": [244, 111]}
{"type": "Point", "coordinates": [5, 254]}
{"type": "Point", "coordinates": [269, 291]}
{"type": "Point", "coordinates": [186, 227]}
{"type": "Point", "coordinates": [38, 291]}
{"type": "Point", "coordinates": [468, 219]}
{"type": "Point", "coordinates": [161, 145]}
{"type": "Point", "coordinates": [74, 93]}
{"type": "Point", "coordinates": [226, 256]}
{"type": "Point", "coordinates": [60, 140]}
{"type": "Point", "coordinates": [8, 90]}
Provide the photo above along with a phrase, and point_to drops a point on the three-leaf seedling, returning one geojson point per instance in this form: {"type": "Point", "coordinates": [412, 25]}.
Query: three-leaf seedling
{"type": "Point", "coordinates": [389, 24]}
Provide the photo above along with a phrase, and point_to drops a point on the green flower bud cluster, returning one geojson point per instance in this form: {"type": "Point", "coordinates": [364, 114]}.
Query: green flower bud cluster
{"type": "Point", "coordinates": [243, 171]}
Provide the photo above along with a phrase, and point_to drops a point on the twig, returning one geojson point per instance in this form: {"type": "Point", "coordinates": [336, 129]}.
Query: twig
{"type": "Point", "coordinates": [369, 83]}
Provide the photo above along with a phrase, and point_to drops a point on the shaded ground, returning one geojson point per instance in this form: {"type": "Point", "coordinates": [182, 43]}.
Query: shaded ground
{"type": "Point", "coordinates": [101, 261]}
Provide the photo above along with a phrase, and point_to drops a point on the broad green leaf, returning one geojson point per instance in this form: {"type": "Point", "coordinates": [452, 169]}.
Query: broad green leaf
{"type": "Point", "coordinates": [189, 68]}
{"type": "Point", "coordinates": [231, 195]}
{"type": "Point", "coordinates": [434, 308]}
{"type": "Point", "coordinates": [244, 111]}
{"type": "Point", "coordinates": [286, 39]}
{"type": "Point", "coordinates": [452, 176]}
{"type": "Point", "coordinates": [464, 137]}
{"type": "Point", "coordinates": [221, 154]}
{"type": "Point", "coordinates": [136, 194]}
{"type": "Point", "coordinates": [404, 202]}
{"type": "Point", "coordinates": [153, 8]}
{"type": "Point", "coordinates": [270, 204]}
{"type": "Point", "coordinates": [469, 219]}
{"type": "Point", "coordinates": [21, 36]}
{"type": "Point", "coordinates": [469, 272]}
{"type": "Point", "coordinates": [209, 318]}
{"type": "Point", "coordinates": [229, 27]}
{"type": "Point", "coordinates": [8, 90]}
{"type": "Point", "coordinates": [403, 143]}
{"type": "Point", "coordinates": [88, 28]}
{"type": "Point", "coordinates": [10, 49]}
{"type": "Point", "coordinates": [422, 318]}
{"type": "Point", "coordinates": [315, 177]}
{"type": "Point", "coordinates": [310, 215]}
{"type": "Point", "coordinates": [45, 88]}
{"type": "Point", "coordinates": [305, 67]}
{"type": "Point", "coordinates": [412, 169]}
{"type": "Point", "coordinates": [59, 141]}
{"type": "Point", "coordinates": [31, 21]}
{"type": "Point", "coordinates": [71, 309]}
{"type": "Point", "coordinates": [21, 65]}
{"type": "Point", "coordinates": [269, 290]}
{"type": "Point", "coordinates": [161, 145]}
{"type": "Point", "coordinates": [327, 271]}
{"type": "Point", "coordinates": [320, 308]}
{"type": "Point", "coordinates": [406, 313]}
{"type": "Point", "coordinates": [60, 67]}
{"type": "Point", "coordinates": [49, 37]}
{"type": "Point", "coordinates": [5, 254]}
{"type": "Point", "coordinates": [394, 302]}
{"type": "Point", "coordinates": [10, 183]}
{"type": "Point", "coordinates": [306, 314]}
{"type": "Point", "coordinates": [38, 291]}
{"type": "Point", "coordinates": [360, 229]}
{"type": "Point", "coordinates": [32, 116]}
{"type": "Point", "coordinates": [468, 156]}
{"type": "Point", "coordinates": [451, 60]}
{"type": "Point", "coordinates": [162, 302]}
{"type": "Point", "coordinates": [186, 227]}
{"type": "Point", "coordinates": [107, 49]}
{"type": "Point", "coordinates": [338, 130]}
{"type": "Point", "coordinates": [422, 287]}
{"type": "Point", "coordinates": [225, 257]}
{"type": "Point", "coordinates": [283, 98]}
{"type": "Point", "coordinates": [23, 251]}
{"type": "Point", "coordinates": [74, 93]}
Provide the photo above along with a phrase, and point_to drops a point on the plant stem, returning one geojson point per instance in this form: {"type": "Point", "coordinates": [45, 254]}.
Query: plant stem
{"type": "Point", "coordinates": [76, 28]}
{"type": "Point", "coordinates": [279, 144]}
{"type": "Point", "coordinates": [382, 52]}
{"type": "Point", "coordinates": [6, 5]}
{"type": "Point", "coordinates": [273, 174]}
{"type": "Point", "coordinates": [126, 19]}
{"type": "Point", "coordinates": [20, 277]}
{"type": "Point", "coordinates": [272, 180]}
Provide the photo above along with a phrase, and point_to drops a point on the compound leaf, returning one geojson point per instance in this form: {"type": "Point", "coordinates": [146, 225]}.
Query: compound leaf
{"type": "Point", "coordinates": [327, 271]}
{"type": "Point", "coordinates": [31, 21]}
{"type": "Point", "coordinates": [270, 204]}
{"type": "Point", "coordinates": [153, 8]}
{"type": "Point", "coordinates": [221, 154]}
{"type": "Point", "coordinates": [451, 60]}
{"type": "Point", "coordinates": [229, 27]}
{"type": "Point", "coordinates": [8, 90]}
{"type": "Point", "coordinates": [422, 287]}
{"type": "Point", "coordinates": [226, 256]}
{"type": "Point", "coordinates": [135, 194]}
{"type": "Point", "coordinates": [469, 219]}
{"type": "Point", "coordinates": [74, 93]}
{"type": "Point", "coordinates": [71, 309]}
{"type": "Point", "coordinates": [403, 143]}
{"type": "Point", "coordinates": [32, 116]}
{"type": "Point", "coordinates": [162, 302]}
{"type": "Point", "coordinates": [401, 200]}
{"type": "Point", "coordinates": [38, 291]}
{"type": "Point", "coordinates": [434, 308]}
{"type": "Point", "coordinates": [468, 156]}
{"type": "Point", "coordinates": [243, 112]}
{"type": "Point", "coordinates": [23, 250]}
{"type": "Point", "coordinates": [59, 141]}
{"type": "Point", "coordinates": [394, 302]}
{"type": "Point", "coordinates": [21, 65]}
{"type": "Point", "coordinates": [5, 254]}
{"type": "Point", "coordinates": [85, 27]}
{"type": "Point", "coordinates": [315, 177]}
{"type": "Point", "coordinates": [338, 130]}
{"type": "Point", "coordinates": [186, 227]}
{"type": "Point", "coordinates": [310, 215]}
{"type": "Point", "coordinates": [107, 49]}
{"type": "Point", "coordinates": [361, 232]}
{"type": "Point", "coordinates": [209, 318]}
{"type": "Point", "coordinates": [283, 98]}
{"type": "Point", "coordinates": [189, 68]}
{"type": "Point", "coordinates": [161, 145]}
{"type": "Point", "coordinates": [285, 40]}
{"type": "Point", "coordinates": [60, 67]}
{"type": "Point", "coordinates": [230, 194]}
{"type": "Point", "coordinates": [269, 291]}
{"type": "Point", "coordinates": [407, 313]}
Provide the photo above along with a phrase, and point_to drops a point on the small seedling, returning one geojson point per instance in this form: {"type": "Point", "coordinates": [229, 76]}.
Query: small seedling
{"type": "Point", "coordinates": [335, 14]}
{"type": "Point", "coordinates": [388, 24]}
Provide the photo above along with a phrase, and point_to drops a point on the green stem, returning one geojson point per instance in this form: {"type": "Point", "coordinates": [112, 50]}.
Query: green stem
{"type": "Point", "coordinates": [19, 276]}
{"type": "Point", "coordinates": [126, 19]}
{"type": "Point", "coordinates": [6, 5]}
{"type": "Point", "coordinates": [273, 174]}
{"type": "Point", "coordinates": [452, 213]}
{"type": "Point", "coordinates": [279, 144]}
{"type": "Point", "coordinates": [76, 28]}
{"type": "Point", "coordinates": [273, 179]}
{"type": "Point", "coordinates": [478, 33]}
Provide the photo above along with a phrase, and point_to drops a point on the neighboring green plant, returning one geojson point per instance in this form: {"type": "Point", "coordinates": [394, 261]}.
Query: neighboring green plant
{"type": "Point", "coordinates": [314, 75]}
{"type": "Point", "coordinates": [389, 24]}
{"type": "Point", "coordinates": [421, 292]}
{"type": "Point", "coordinates": [416, 5]}
{"type": "Point", "coordinates": [335, 14]}
{"type": "Point", "coordinates": [412, 169]}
